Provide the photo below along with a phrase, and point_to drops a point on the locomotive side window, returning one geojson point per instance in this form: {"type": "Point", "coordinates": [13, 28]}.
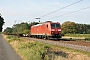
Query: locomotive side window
{"type": "Point", "coordinates": [54, 25]}
{"type": "Point", "coordinates": [47, 26]}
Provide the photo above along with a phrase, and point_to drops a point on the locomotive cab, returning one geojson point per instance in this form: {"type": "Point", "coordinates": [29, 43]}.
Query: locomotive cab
{"type": "Point", "coordinates": [55, 30]}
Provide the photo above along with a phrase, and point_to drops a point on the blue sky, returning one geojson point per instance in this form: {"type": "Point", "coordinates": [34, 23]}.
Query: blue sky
{"type": "Point", "coordinates": [28, 10]}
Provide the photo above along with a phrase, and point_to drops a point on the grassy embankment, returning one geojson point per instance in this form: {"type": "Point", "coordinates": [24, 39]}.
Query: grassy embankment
{"type": "Point", "coordinates": [33, 50]}
{"type": "Point", "coordinates": [78, 36]}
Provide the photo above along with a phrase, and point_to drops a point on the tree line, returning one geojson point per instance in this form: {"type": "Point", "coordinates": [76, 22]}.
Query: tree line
{"type": "Point", "coordinates": [68, 27]}
{"type": "Point", "coordinates": [22, 28]}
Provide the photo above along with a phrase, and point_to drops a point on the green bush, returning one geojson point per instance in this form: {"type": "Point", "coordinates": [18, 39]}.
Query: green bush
{"type": "Point", "coordinates": [12, 38]}
{"type": "Point", "coordinates": [8, 37]}
{"type": "Point", "coordinates": [87, 39]}
{"type": "Point", "coordinates": [46, 46]}
{"type": "Point", "coordinates": [33, 50]}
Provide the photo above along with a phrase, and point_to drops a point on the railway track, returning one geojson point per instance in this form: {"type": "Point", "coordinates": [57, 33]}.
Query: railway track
{"type": "Point", "coordinates": [78, 45]}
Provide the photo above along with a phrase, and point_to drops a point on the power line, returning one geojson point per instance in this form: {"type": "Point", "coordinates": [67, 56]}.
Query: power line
{"type": "Point", "coordinates": [61, 8]}
{"type": "Point", "coordinates": [49, 6]}
{"type": "Point", "coordinates": [46, 7]}
{"type": "Point", "coordinates": [72, 12]}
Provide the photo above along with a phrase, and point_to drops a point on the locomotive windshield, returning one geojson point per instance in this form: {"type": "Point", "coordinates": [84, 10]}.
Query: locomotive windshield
{"type": "Point", "coordinates": [55, 25]}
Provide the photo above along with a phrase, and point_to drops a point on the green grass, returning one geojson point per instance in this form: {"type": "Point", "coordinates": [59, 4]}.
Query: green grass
{"type": "Point", "coordinates": [85, 37]}
{"type": "Point", "coordinates": [70, 50]}
{"type": "Point", "coordinates": [33, 50]}
{"type": "Point", "coordinates": [77, 35]}
{"type": "Point", "coordinates": [12, 38]}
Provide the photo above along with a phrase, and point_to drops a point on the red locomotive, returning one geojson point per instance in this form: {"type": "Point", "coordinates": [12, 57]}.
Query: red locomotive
{"type": "Point", "coordinates": [46, 30]}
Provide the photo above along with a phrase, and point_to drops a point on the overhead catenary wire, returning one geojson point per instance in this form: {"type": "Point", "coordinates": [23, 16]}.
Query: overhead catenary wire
{"type": "Point", "coordinates": [49, 6]}
{"type": "Point", "coordinates": [61, 8]}
{"type": "Point", "coordinates": [71, 12]}
{"type": "Point", "coordinates": [46, 8]}
{"type": "Point", "coordinates": [43, 10]}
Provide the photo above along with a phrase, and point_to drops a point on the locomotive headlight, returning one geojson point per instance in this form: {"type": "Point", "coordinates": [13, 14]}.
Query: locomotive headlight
{"type": "Point", "coordinates": [59, 29]}
{"type": "Point", "coordinates": [53, 30]}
